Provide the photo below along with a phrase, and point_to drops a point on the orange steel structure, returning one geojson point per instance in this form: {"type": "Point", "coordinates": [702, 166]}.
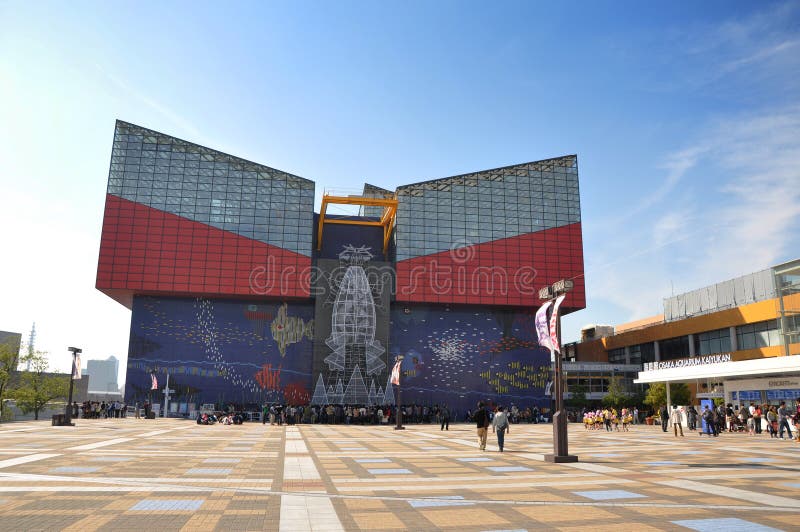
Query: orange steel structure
{"type": "Point", "coordinates": [386, 221]}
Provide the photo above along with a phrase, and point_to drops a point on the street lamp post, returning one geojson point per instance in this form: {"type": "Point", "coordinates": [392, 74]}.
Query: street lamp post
{"type": "Point", "coordinates": [398, 406]}
{"type": "Point", "coordinates": [560, 443]}
{"type": "Point", "coordinates": [68, 413]}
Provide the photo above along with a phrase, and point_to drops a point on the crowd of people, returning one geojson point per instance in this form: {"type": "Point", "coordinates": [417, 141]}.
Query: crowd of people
{"type": "Point", "coordinates": [609, 419]}
{"type": "Point", "coordinates": [99, 409]}
{"type": "Point", "coordinates": [753, 419]}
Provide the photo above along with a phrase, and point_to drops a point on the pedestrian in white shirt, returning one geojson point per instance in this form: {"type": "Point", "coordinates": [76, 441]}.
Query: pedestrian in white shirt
{"type": "Point", "coordinates": [676, 419]}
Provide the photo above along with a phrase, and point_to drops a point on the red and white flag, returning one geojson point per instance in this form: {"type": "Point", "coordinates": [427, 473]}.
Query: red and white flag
{"type": "Point", "coordinates": [542, 330]}
{"type": "Point", "coordinates": [554, 323]}
{"type": "Point", "coordinates": [76, 367]}
{"type": "Point", "coordinates": [154, 385]}
{"type": "Point", "coordinates": [396, 373]}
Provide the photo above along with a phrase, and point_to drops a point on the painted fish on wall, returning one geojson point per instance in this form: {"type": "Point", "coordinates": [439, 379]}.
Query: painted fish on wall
{"type": "Point", "coordinates": [288, 330]}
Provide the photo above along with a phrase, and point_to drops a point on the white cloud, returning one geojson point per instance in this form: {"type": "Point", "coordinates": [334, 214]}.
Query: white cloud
{"type": "Point", "coordinates": [746, 222]}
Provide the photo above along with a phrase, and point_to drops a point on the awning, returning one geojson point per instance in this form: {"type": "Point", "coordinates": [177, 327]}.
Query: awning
{"type": "Point", "coordinates": [744, 368]}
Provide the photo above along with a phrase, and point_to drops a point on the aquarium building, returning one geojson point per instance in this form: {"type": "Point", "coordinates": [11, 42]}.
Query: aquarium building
{"type": "Point", "coordinates": [241, 293]}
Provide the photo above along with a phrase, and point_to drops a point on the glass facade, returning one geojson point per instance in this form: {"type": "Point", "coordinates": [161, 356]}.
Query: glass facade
{"type": "Point", "coordinates": [617, 356]}
{"type": "Point", "coordinates": [673, 348]}
{"type": "Point", "coordinates": [643, 353]}
{"type": "Point", "coordinates": [210, 187]}
{"type": "Point", "coordinates": [711, 342]}
{"type": "Point", "coordinates": [180, 218]}
{"type": "Point", "coordinates": [470, 209]}
{"type": "Point", "coordinates": [761, 334]}
{"type": "Point", "coordinates": [493, 237]}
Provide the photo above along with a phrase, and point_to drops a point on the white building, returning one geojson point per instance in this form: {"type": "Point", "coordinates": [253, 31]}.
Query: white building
{"type": "Point", "coordinates": [103, 375]}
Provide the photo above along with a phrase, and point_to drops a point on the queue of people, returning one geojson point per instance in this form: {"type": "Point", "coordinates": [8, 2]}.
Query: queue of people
{"type": "Point", "coordinates": [100, 409]}
{"type": "Point", "coordinates": [754, 419]}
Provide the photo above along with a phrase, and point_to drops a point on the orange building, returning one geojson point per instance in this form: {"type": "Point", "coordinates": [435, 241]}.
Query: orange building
{"type": "Point", "coordinates": [738, 339]}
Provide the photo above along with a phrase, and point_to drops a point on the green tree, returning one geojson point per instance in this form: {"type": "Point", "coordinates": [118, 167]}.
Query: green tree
{"type": "Point", "coordinates": [616, 396]}
{"type": "Point", "coordinates": [9, 356]}
{"type": "Point", "coordinates": [657, 394]}
{"type": "Point", "coordinates": [578, 399]}
{"type": "Point", "coordinates": [36, 388]}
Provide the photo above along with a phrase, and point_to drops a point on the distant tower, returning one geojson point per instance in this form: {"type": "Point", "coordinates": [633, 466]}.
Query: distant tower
{"type": "Point", "coordinates": [31, 341]}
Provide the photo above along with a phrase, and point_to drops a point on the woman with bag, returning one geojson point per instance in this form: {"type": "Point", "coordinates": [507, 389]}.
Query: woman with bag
{"type": "Point", "coordinates": [772, 422]}
{"type": "Point", "coordinates": [500, 426]}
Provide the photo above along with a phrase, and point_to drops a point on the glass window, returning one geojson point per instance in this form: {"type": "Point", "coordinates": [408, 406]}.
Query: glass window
{"type": "Point", "coordinates": [673, 348]}
{"type": "Point", "coordinates": [761, 334]}
{"type": "Point", "coordinates": [717, 341]}
{"type": "Point", "coordinates": [617, 356]}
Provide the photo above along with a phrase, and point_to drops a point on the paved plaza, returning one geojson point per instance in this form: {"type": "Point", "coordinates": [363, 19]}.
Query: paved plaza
{"type": "Point", "coordinates": [129, 474]}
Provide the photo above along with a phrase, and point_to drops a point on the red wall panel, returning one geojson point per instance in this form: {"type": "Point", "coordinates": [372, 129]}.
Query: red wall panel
{"type": "Point", "coordinates": [146, 250]}
{"type": "Point", "coordinates": [504, 272]}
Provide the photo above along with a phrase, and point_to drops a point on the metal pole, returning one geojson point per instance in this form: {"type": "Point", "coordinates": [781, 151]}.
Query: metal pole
{"type": "Point", "coordinates": [68, 413]}
{"type": "Point", "coordinates": [166, 397]}
{"type": "Point", "coordinates": [68, 410]}
{"type": "Point", "coordinates": [399, 414]}
{"type": "Point", "coordinates": [560, 429]}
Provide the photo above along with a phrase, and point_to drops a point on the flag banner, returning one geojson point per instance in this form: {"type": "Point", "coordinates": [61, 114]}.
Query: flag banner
{"type": "Point", "coordinates": [76, 368]}
{"type": "Point", "coordinates": [541, 326]}
{"type": "Point", "coordinates": [554, 323]}
{"type": "Point", "coordinates": [396, 373]}
{"type": "Point", "coordinates": [154, 382]}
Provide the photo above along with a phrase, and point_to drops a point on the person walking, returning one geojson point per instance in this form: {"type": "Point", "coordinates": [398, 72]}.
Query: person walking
{"type": "Point", "coordinates": [783, 420]}
{"type": "Point", "coordinates": [772, 422]}
{"type": "Point", "coordinates": [691, 418]}
{"type": "Point", "coordinates": [708, 419]}
{"type": "Point", "coordinates": [757, 414]}
{"type": "Point", "coordinates": [664, 415]}
{"type": "Point", "coordinates": [481, 418]}
{"type": "Point", "coordinates": [444, 413]}
{"type": "Point", "coordinates": [676, 419]}
{"type": "Point", "coordinates": [500, 426]}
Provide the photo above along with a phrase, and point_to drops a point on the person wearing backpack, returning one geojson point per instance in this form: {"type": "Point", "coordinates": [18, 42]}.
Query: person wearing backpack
{"type": "Point", "coordinates": [500, 425]}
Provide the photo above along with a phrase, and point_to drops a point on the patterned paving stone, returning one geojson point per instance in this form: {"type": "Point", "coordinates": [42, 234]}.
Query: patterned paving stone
{"type": "Point", "coordinates": [729, 524]}
{"type": "Point", "coordinates": [167, 505]}
{"type": "Point", "coordinates": [276, 477]}
{"type": "Point", "coordinates": [75, 469]}
{"type": "Point", "coordinates": [453, 500]}
{"type": "Point", "coordinates": [605, 495]}
{"type": "Point", "coordinates": [395, 471]}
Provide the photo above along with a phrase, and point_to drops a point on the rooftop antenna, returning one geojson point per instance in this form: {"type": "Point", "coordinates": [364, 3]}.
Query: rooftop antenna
{"type": "Point", "coordinates": [31, 341]}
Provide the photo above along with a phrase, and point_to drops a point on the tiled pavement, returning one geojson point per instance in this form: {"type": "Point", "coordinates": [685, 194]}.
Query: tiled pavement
{"type": "Point", "coordinates": [172, 475]}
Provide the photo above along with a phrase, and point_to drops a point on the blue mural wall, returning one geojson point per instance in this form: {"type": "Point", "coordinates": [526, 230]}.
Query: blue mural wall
{"type": "Point", "coordinates": [224, 351]}
{"type": "Point", "coordinates": [220, 351]}
{"type": "Point", "coordinates": [460, 356]}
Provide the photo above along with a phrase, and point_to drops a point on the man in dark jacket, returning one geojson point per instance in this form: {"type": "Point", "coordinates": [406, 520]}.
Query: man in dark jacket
{"type": "Point", "coordinates": [664, 413]}
{"type": "Point", "coordinates": [481, 418]}
{"type": "Point", "coordinates": [445, 415]}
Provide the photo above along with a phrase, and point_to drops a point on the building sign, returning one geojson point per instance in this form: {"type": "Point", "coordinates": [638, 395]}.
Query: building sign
{"type": "Point", "coordinates": [688, 362]}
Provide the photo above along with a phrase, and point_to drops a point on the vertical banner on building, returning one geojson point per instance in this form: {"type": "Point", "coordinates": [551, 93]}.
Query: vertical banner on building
{"type": "Point", "coordinates": [396, 373]}
{"type": "Point", "coordinates": [542, 330]}
{"type": "Point", "coordinates": [554, 324]}
{"type": "Point", "coordinates": [76, 367]}
{"type": "Point", "coordinates": [154, 382]}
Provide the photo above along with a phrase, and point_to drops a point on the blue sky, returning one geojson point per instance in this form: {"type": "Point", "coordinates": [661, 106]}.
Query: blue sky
{"type": "Point", "coordinates": [685, 117]}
